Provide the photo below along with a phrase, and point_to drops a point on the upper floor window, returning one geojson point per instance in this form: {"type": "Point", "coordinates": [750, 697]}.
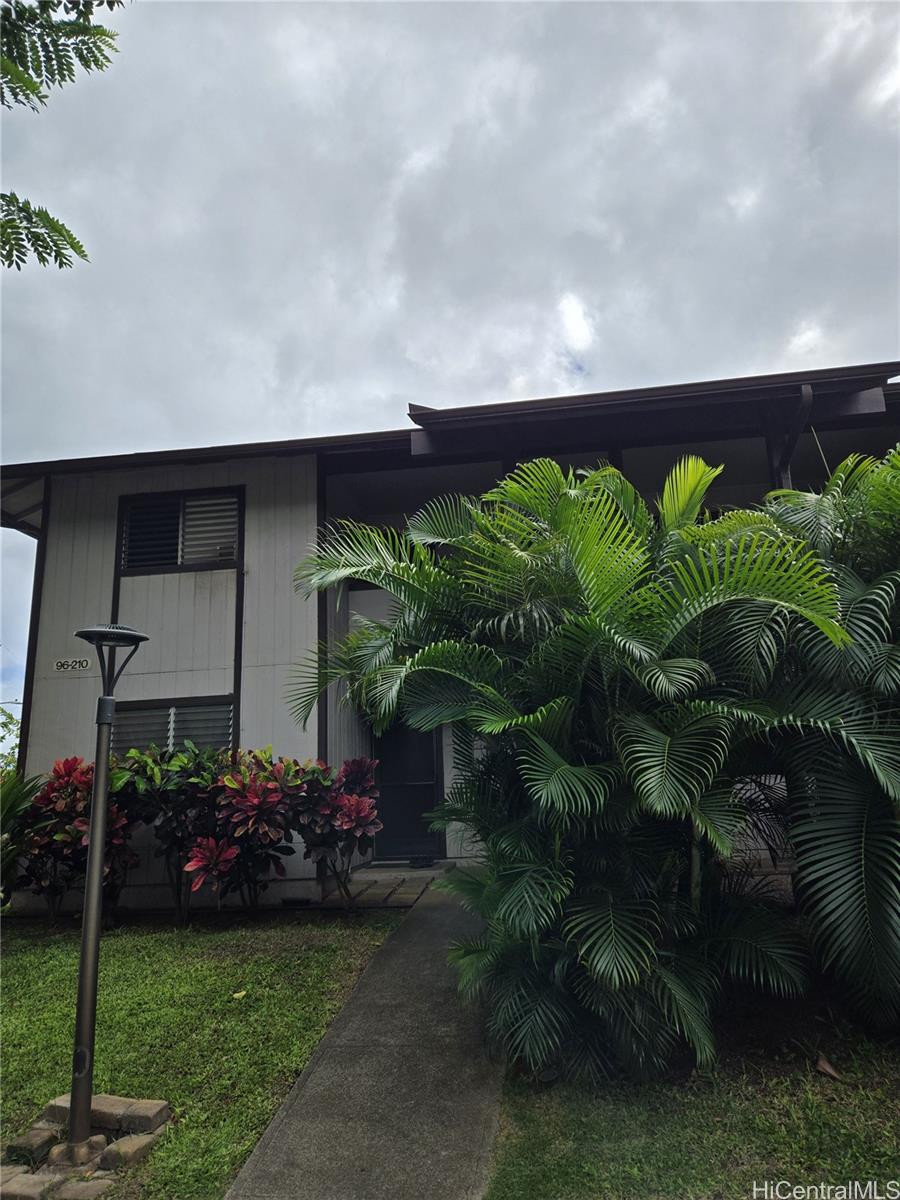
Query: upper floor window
{"type": "Point", "coordinates": [191, 530]}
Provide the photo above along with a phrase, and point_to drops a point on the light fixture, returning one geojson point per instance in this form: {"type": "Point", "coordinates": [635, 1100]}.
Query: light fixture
{"type": "Point", "coordinates": [106, 639]}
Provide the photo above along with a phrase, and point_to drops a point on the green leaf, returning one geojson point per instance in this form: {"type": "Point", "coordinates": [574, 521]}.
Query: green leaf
{"type": "Point", "coordinates": [534, 487]}
{"type": "Point", "coordinates": [669, 771]}
{"type": "Point", "coordinates": [444, 521]}
{"type": "Point", "coordinates": [755, 568]}
{"type": "Point", "coordinates": [756, 945]}
{"type": "Point", "coordinates": [615, 937]}
{"type": "Point", "coordinates": [560, 789]}
{"type": "Point", "coordinates": [720, 815]}
{"type": "Point", "coordinates": [531, 896]}
{"type": "Point", "coordinates": [850, 721]}
{"type": "Point", "coordinates": [684, 992]}
{"type": "Point", "coordinates": [684, 492]}
{"type": "Point", "coordinates": [474, 887]}
{"type": "Point", "coordinates": [531, 1017]}
{"type": "Point", "coordinates": [442, 682]}
{"type": "Point", "coordinates": [885, 670]}
{"type": "Point", "coordinates": [492, 714]}
{"type": "Point", "coordinates": [25, 230]}
{"type": "Point", "coordinates": [627, 496]}
{"type": "Point", "coordinates": [674, 678]}
{"type": "Point", "coordinates": [846, 836]}
{"type": "Point", "coordinates": [608, 555]}
{"type": "Point", "coordinates": [474, 959]}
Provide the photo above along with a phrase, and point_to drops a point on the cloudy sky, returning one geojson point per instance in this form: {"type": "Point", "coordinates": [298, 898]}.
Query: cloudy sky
{"type": "Point", "coordinates": [301, 217]}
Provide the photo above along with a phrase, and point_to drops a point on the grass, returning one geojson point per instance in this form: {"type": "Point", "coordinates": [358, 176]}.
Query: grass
{"type": "Point", "coordinates": [766, 1113]}
{"type": "Point", "coordinates": [170, 1026]}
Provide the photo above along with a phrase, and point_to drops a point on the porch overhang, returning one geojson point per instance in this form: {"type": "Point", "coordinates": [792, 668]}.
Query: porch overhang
{"type": "Point", "coordinates": [776, 407]}
{"type": "Point", "coordinates": [22, 502]}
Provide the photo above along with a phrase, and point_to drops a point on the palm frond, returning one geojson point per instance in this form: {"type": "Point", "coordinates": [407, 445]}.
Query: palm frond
{"type": "Point", "coordinates": [564, 790]}
{"type": "Point", "coordinates": [756, 946]}
{"type": "Point", "coordinates": [626, 495]}
{"type": "Point", "coordinates": [531, 895]}
{"type": "Point", "coordinates": [846, 836]}
{"type": "Point", "coordinates": [720, 815]}
{"type": "Point", "coordinates": [615, 937]}
{"type": "Point", "coordinates": [444, 521]}
{"type": "Point", "coordinates": [684, 990]}
{"type": "Point", "coordinates": [674, 678]}
{"type": "Point", "coordinates": [755, 568]}
{"type": "Point", "coordinates": [670, 770]}
{"type": "Point", "coordinates": [608, 555]}
{"type": "Point", "coordinates": [684, 492]}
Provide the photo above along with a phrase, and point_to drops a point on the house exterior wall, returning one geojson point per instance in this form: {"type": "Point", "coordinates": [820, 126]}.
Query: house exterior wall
{"type": "Point", "coordinates": [348, 734]}
{"type": "Point", "coordinates": [191, 617]}
{"type": "Point", "coordinates": [211, 628]}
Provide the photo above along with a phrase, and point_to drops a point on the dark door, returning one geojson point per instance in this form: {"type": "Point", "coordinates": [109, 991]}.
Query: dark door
{"type": "Point", "coordinates": [408, 776]}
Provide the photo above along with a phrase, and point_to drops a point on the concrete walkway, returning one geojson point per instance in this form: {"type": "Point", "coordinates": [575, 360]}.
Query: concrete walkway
{"type": "Point", "coordinates": [400, 1100]}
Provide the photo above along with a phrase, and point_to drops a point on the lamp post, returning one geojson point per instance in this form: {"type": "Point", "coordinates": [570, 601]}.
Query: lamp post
{"type": "Point", "coordinates": [106, 639]}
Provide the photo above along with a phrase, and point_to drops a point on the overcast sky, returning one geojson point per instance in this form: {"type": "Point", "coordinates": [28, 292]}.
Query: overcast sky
{"type": "Point", "coordinates": [301, 217]}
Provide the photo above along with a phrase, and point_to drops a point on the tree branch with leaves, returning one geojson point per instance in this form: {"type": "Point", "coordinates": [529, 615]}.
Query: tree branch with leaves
{"type": "Point", "coordinates": [43, 46]}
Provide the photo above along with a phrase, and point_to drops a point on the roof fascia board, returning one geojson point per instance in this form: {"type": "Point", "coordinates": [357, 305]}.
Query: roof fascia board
{"type": "Point", "coordinates": [353, 443]}
{"type": "Point", "coordinates": [756, 387]}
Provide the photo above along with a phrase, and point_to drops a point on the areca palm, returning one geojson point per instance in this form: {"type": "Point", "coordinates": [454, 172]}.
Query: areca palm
{"type": "Point", "coordinates": [607, 673]}
{"type": "Point", "coordinates": [845, 768]}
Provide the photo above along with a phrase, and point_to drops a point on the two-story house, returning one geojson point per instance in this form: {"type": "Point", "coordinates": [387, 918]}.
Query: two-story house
{"type": "Point", "coordinates": [197, 548]}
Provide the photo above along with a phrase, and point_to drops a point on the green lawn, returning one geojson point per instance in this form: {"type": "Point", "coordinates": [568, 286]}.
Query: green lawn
{"type": "Point", "coordinates": [764, 1114]}
{"type": "Point", "coordinates": [169, 1025]}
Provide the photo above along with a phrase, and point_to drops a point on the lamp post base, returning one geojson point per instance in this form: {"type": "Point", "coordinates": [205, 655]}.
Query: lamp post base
{"type": "Point", "coordinates": [76, 1154]}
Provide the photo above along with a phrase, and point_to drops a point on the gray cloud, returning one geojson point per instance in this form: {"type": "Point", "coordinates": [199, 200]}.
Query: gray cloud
{"type": "Point", "coordinates": [302, 216]}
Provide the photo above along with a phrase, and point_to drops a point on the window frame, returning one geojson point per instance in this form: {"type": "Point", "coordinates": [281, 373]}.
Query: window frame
{"type": "Point", "coordinates": [182, 494]}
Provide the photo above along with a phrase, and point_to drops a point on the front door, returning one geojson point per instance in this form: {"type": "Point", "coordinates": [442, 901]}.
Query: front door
{"type": "Point", "coordinates": [408, 776]}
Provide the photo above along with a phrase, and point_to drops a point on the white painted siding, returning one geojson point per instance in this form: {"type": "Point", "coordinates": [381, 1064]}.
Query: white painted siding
{"type": "Point", "coordinates": [348, 735]}
{"type": "Point", "coordinates": [280, 627]}
{"type": "Point", "coordinates": [190, 617]}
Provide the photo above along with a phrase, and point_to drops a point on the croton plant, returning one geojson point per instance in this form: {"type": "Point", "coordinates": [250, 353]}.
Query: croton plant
{"type": "Point", "coordinates": [54, 845]}
{"type": "Point", "coordinates": [261, 802]}
{"type": "Point", "coordinates": [222, 819]}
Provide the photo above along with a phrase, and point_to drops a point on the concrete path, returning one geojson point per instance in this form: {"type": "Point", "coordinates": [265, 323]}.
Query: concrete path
{"type": "Point", "coordinates": [384, 887]}
{"type": "Point", "coordinates": [400, 1100]}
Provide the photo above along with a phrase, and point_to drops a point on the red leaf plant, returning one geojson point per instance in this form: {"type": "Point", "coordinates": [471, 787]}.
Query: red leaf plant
{"type": "Point", "coordinates": [211, 860]}
{"type": "Point", "coordinates": [255, 803]}
{"type": "Point", "coordinates": [357, 815]}
{"type": "Point", "coordinates": [54, 855]}
{"type": "Point", "coordinates": [339, 819]}
{"type": "Point", "coordinates": [260, 803]}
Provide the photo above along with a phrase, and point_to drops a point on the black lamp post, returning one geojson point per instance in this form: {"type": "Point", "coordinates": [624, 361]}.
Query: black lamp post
{"type": "Point", "coordinates": [107, 639]}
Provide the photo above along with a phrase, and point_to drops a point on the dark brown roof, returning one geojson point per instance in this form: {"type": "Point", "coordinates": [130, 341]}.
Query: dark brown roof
{"type": "Point", "coordinates": [827, 380]}
{"type": "Point", "coordinates": [721, 407]}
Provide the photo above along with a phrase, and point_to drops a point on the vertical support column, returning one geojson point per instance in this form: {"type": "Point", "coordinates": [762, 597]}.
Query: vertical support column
{"type": "Point", "coordinates": [37, 595]}
{"type": "Point", "coordinates": [782, 426]}
{"type": "Point", "coordinates": [86, 1008]}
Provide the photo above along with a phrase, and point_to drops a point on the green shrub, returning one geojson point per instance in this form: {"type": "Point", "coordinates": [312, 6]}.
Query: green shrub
{"type": "Point", "coordinates": [170, 790]}
{"type": "Point", "coordinates": [627, 708]}
{"type": "Point", "coordinates": [842, 817]}
{"type": "Point", "coordinates": [16, 795]}
{"type": "Point", "coordinates": [53, 849]}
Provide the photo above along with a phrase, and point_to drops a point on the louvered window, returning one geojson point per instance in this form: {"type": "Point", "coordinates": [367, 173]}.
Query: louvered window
{"type": "Point", "coordinates": [167, 726]}
{"type": "Point", "coordinates": [191, 530]}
